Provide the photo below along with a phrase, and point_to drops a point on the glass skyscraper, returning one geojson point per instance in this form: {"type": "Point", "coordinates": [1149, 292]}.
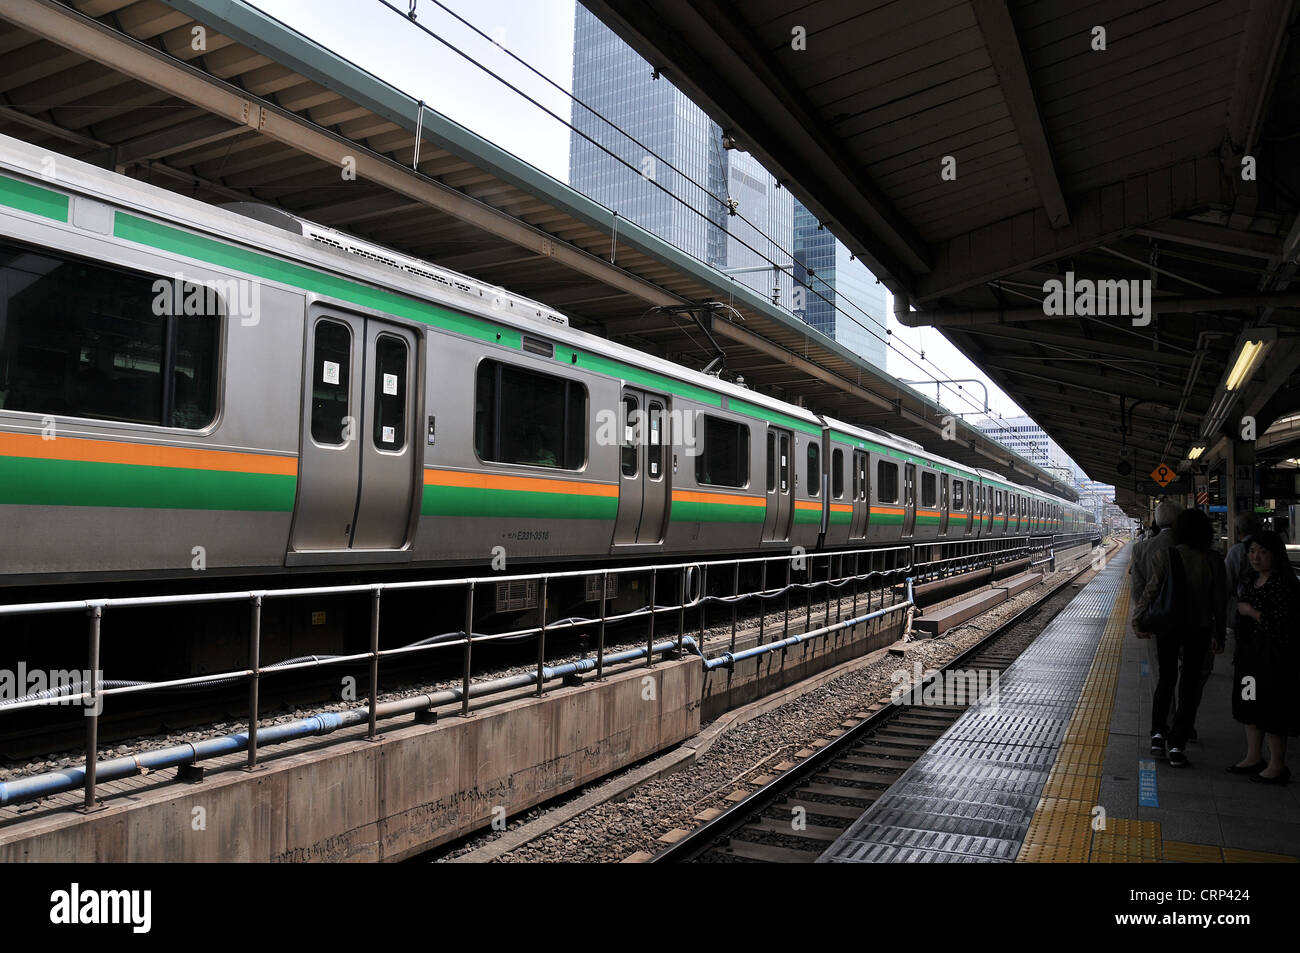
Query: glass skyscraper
{"type": "Point", "coordinates": [836, 295]}
{"type": "Point", "coordinates": [615, 82]}
{"type": "Point", "coordinates": [618, 84]}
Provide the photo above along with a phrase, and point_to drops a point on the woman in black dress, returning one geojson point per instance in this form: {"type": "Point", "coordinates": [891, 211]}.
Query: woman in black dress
{"type": "Point", "coordinates": [1264, 698]}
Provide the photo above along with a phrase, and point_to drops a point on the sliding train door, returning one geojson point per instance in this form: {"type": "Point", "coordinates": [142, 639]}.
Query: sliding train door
{"type": "Point", "coordinates": [909, 499]}
{"type": "Point", "coordinates": [780, 498]}
{"type": "Point", "coordinates": [943, 504]}
{"type": "Point", "coordinates": [861, 496]}
{"type": "Point", "coordinates": [358, 455]}
{"type": "Point", "coordinates": [643, 481]}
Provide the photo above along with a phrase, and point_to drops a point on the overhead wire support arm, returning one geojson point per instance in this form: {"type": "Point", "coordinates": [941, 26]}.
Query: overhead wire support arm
{"type": "Point", "coordinates": [695, 310]}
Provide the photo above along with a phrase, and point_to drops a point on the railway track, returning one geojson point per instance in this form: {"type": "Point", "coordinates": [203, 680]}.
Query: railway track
{"type": "Point", "coordinates": [794, 816]}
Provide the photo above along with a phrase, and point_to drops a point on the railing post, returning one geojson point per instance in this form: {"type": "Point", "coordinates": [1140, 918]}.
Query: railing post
{"type": "Point", "coordinates": [469, 641]}
{"type": "Point", "coordinates": [541, 640]}
{"type": "Point", "coordinates": [808, 581]}
{"type": "Point", "coordinates": [650, 638]}
{"type": "Point", "coordinates": [681, 614]}
{"type": "Point", "coordinates": [735, 605]}
{"type": "Point", "coordinates": [374, 660]}
{"type": "Point", "coordinates": [830, 571]}
{"type": "Point", "coordinates": [92, 715]}
{"type": "Point", "coordinates": [254, 679]}
{"type": "Point", "coordinates": [704, 594]}
{"type": "Point", "coordinates": [857, 571]}
{"type": "Point", "coordinates": [600, 639]}
{"type": "Point", "coordinates": [789, 581]}
{"type": "Point", "coordinates": [762, 602]}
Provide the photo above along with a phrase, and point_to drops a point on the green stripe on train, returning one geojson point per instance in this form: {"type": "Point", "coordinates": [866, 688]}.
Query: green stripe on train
{"type": "Point", "coordinates": [33, 482]}
{"type": "Point", "coordinates": [33, 199]}
{"type": "Point", "coordinates": [686, 511]}
{"type": "Point", "coordinates": [480, 501]}
{"type": "Point", "coordinates": [635, 375]}
{"type": "Point", "coordinates": [807, 516]}
{"type": "Point", "coordinates": [841, 519]}
{"type": "Point", "coordinates": [772, 416]}
{"type": "Point", "coordinates": [144, 232]}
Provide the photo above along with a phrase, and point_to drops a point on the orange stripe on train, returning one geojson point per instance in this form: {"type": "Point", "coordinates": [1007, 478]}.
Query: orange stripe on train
{"type": "Point", "coordinates": [87, 450]}
{"type": "Point", "coordinates": [688, 496]}
{"type": "Point", "coordinates": [492, 481]}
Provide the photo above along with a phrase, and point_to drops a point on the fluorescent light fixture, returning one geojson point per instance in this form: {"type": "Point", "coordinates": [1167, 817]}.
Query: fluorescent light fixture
{"type": "Point", "coordinates": [1251, 348]}
{"type": "Point", "coordinates": [1195, 452]}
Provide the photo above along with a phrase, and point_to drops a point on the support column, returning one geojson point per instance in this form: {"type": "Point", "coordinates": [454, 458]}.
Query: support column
{"type": "Point", "coordinates": [1240, 477]}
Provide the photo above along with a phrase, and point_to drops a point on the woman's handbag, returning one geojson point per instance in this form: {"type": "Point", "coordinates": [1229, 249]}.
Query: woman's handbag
{"type": "Point", "coordinates": [1164, 614]}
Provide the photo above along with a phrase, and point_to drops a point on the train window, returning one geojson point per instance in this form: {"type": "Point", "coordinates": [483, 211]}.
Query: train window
{"type": "Point", "coordinates": [390, 393]}
{"type": "Point", "coordinates": [837, 473]}
{"type": "Point", "coordinates": [929, 490]}
{"type": "Point", "coordinates": [629, 451]}
{"type": "Point", "coordinates": [655, 449]}
{"type": "Point", "coordinates": [771, 462]}
{"type": "Point", "coordinates": [524, 417]}
{"type": "Point", "coordinates": [331, 375]}
{"type": "Point", "coordinates": [997, 495]}
{"type": "Point", "coordinates": [958, 503]}
{"type": "Point", "coordinates": [724, 458]}
{"type": "Point", "coordinates": [87, 340]}
{"type": "Point", "coordinates": [814, 469]}
{"type": "Point", "coordinates": [887, 481]}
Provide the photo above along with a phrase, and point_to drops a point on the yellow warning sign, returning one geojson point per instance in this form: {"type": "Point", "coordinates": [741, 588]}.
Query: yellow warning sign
{"type": "Point", "coordinates": [1164, 475]}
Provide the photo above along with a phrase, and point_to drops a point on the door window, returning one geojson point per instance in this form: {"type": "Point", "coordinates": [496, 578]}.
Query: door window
{"type": "Point", "coordinates": [390, 393]}
{"type": "Point", "coordinates": [332, 367]}
{"type": "Point", "coordinates": [629, 451]}
{"type": "Point", "coordinates": [655, 450]}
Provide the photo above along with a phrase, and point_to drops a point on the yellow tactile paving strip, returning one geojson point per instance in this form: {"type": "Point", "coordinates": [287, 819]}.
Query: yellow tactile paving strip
{"type": "Point", "coordinates": [1061, 830]}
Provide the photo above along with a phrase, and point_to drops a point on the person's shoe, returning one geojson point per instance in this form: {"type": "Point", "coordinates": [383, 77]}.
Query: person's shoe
{"type": "Point", "coordinates": [1282, 778]}
{"type": "Point", "coordinates": [1255, 768]}
{"type": "Point", "coordinates": [1157, 744]}
{"type": "Point", "coordinates": [1177, 758]}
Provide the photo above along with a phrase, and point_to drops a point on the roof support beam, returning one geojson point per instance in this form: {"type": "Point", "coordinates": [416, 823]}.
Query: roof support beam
{"type": "Point", "coordinates": [1213, 237]}
{"type": "Point", "coordinates": [1120, 387]}
{"type": "Point", "coordinates": [1189, 305]}
{"type": "Point", "coordinates": [1104, 214]}
{"type": "Point", "coordinates": [1086, 347]}
{"type": "Point", "coordinates": [1003, 46]}
{"type": "Point", "coordinates": [1262, 40]}
{"type": "Point", "coordinates": [188, 135]}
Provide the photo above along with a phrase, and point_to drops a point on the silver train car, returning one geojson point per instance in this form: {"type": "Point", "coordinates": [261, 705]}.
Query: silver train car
{"type": "Point", "coordinates": [185, 387]}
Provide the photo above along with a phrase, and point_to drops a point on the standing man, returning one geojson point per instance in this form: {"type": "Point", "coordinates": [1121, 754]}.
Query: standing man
{"type": "Point", "coordinates": [1140, 566]}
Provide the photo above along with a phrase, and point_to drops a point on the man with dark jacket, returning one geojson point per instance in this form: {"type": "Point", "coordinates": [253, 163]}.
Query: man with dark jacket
{"type": "Point", "coordinates": [1140, 570]}
{"type": "Point", "coordinates": [1199, 627]}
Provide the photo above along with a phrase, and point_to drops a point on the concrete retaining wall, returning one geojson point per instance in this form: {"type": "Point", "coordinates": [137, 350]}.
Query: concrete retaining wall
{"type": "Point", "coordinates": [416, 787]}
{"type": "Point", "coordinates": [753, 678]}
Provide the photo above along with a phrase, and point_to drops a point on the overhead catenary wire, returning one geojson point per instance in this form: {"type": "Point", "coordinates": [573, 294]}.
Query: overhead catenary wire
{"type": "Point", "coordinates": [887, 340]}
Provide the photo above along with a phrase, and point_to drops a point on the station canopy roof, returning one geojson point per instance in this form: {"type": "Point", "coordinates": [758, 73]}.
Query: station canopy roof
{"type": "Point", "coordinates": [262, 113]}
{"type": "Point", "coordinates": [1109, 141]}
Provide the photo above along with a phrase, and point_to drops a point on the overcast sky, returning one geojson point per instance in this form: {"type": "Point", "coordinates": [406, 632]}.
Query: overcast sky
{"type": "Point", "coordinates": [541, 33]}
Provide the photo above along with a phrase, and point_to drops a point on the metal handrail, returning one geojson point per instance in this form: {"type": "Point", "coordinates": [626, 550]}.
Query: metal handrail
{"type": "Point", "coordinates": [693, 584]}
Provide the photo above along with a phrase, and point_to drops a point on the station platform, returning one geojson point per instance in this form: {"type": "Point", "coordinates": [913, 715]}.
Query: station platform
{"type": "Point", "coordinates": [1057, 768]}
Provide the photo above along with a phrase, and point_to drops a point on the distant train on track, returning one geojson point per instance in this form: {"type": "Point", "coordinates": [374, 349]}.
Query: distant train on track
{"type": "Point", "coordinates": [186, 387]}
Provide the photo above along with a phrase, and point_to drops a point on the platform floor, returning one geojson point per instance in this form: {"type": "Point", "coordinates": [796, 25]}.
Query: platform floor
{"type": "Point", "coordinates": [1032, 775]}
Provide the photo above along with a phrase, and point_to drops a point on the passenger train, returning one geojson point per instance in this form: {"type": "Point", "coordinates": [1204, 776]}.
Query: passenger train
{"type": "Point", "coordinates": [185, 387]}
